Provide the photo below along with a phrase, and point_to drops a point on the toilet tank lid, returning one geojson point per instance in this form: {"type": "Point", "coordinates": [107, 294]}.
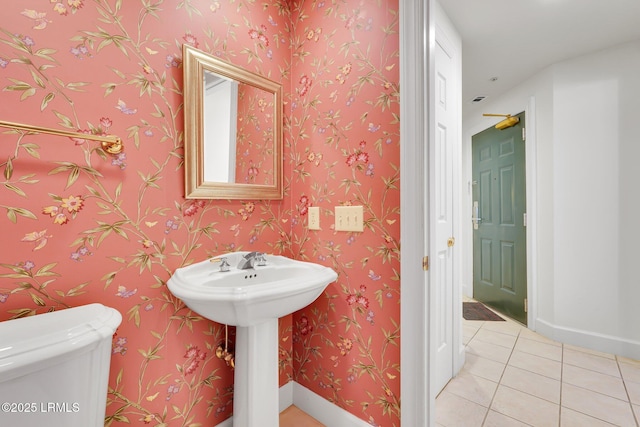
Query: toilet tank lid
{"type": "Point", "coordinates": [59, 331]}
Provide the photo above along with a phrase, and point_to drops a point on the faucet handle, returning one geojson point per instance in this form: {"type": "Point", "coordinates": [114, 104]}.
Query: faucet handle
{"type": "Point", "coordinates": [261, 259]}
{"type": "Point", "coordinates": [224, 264]}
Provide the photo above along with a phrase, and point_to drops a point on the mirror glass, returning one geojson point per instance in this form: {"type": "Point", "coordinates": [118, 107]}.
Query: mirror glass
{"type": "Point", "coordinates": [233, 130]}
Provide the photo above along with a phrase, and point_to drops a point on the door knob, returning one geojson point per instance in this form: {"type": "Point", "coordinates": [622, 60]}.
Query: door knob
{"type": "Point", "coordinates": [451, 241]}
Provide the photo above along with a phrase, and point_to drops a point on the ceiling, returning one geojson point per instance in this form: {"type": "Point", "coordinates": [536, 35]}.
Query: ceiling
{"type": "Point", "coordinates": [515, 39]}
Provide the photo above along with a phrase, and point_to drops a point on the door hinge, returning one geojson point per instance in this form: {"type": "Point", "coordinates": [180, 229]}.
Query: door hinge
{"type": "Point", "coordinates": [425, 263]}
{"type": "Point", "coordinates": [524, 219]}
{"type": "Point", "coordinates": [526, 305]}
{"type": "Point", "coordinates": [524, 134]}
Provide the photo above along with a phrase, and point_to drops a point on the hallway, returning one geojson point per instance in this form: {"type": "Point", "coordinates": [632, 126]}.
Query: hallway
{"type": "Point", "coordinates": [515, 377]}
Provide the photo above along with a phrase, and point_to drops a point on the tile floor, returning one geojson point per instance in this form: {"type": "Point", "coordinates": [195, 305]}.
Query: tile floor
{"type": "Point", "coordinates": [515, 377]}
{"type": "Point", "coordinates": [294, 417]}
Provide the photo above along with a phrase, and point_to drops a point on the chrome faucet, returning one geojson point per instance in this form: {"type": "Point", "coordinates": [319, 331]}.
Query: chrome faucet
{"type": "Point", "coordinates": [251, 259]}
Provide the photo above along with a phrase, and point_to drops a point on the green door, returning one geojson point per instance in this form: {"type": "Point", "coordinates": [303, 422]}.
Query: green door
{"type": "Point", "coordinates": [499, 206]}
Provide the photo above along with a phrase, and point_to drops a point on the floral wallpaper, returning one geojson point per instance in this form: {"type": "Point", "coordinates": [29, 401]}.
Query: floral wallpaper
{"type": "Point", "coordinates": [81, 226]}
{"type": "Point", "coordinates": [344, 150]}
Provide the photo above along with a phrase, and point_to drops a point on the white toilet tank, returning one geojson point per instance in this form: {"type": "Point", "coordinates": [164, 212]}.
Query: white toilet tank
{"type": "Point", "coordinates": [54, 367]}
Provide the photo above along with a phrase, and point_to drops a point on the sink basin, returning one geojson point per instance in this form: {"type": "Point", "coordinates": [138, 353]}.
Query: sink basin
{"type": "Point", "coordinates": [248, 297]}
{"type": "Point", "coordinates": [252, 300]}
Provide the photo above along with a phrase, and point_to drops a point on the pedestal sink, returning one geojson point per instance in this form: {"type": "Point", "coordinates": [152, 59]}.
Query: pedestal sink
{"type": "Point", "coordinates": [251, 299]}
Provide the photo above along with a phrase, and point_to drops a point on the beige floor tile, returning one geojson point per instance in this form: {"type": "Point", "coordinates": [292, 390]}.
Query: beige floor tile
{"type": "Point", "coordinates": [594, 381]}
{"type": "Point", "coordinates": [497, 338]}
{"type": "Point", "coordinates": [455, 411]}
{"type": "Point", "coordinates": [634, 391]}
{"type": "Point", "coordinates": [531, 335]}
{"type": "Point", "coordinates": [483, 367]}
{"type": "Point", "coordinates": [571, 418]}
{"type": "Point", "coordinates": [472, 387]}
{"type": "Point", "coordinates": [473, 324]}
{"type": "Point", "coordinates": [539, 365]}
{"type": "Point", "coordinates": [488, 350]}
{"type": "Point", "coordinates": [468, 332]}
{"type": "Point", "coordinates": [597, 405]}
{"type": "Point", "coordinates": [623, 359]}
{"type": "Point", "coordinates": [589, 351]}
{"type": "Point", "coordinates": [508, 327]}
{"type": "Point", "coordinates": [529, 382]}
{"type": "Point", "coordinates": [496, 419]}
{"type": "Point", "coordinates": [538, 348]}
{"type": "Point", "coordinates": [630, 372]}
{"type": "Point", "coordinates": [591, 361]}
{"type": "Point", "coordinates": [593, 393]}
{"type": "Point", "coordinates": [525, 407]}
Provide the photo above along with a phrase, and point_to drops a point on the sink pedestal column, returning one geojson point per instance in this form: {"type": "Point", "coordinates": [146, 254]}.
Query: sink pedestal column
{"type": "Point", "coordinates": [256, 385]}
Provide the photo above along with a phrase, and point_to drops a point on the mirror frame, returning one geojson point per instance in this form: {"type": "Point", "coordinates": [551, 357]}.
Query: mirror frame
{"type": "Point", "coordinates": [195, 62]}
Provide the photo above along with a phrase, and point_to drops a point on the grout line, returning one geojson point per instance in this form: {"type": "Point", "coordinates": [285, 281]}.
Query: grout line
{"type": "Point", "coordinates": [626, 390]}
{"type": "Point", "coordinates": [636, 417]}
{"type": "Point", "coordinates": [561, 386]}
{"type": "Point", "coordinates": [500, 382]}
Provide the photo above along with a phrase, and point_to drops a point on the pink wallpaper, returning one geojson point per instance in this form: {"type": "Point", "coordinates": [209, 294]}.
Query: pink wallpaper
{"type": "Point", "coordinates": [344, 150]}
{"type": "Point", "coordinates": [79, 226]}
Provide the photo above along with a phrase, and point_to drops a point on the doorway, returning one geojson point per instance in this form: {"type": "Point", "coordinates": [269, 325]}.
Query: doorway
{"type": "Point", "coordinates": [499, 219]}
{"type": "Point", "coordinates": [417, 355]}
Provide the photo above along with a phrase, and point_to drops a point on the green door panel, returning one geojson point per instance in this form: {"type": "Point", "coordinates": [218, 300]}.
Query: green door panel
{"type": "Point", "coordinates": [499, 241]}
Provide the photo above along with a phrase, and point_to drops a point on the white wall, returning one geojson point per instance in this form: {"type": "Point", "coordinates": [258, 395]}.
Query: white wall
{"type": "Point", "coordinates": [586, 154]}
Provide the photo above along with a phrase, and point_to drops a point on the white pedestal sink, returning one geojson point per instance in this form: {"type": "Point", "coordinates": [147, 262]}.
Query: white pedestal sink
{"type": "Point", "coordinates": [252, 300]}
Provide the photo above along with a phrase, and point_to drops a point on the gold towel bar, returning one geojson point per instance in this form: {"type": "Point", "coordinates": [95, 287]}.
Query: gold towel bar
{"type": "Point", "coordinates": [111, 144]}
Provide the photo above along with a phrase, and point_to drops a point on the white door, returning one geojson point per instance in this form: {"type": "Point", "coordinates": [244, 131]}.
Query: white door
{"type": "Point", "coordinates": [446, 137]}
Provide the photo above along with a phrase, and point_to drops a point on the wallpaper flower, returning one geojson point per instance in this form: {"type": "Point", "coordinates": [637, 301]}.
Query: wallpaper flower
{"type": "Point", "coordinates": [81, 226]}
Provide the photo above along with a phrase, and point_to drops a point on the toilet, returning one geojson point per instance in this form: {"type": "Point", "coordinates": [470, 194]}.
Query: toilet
{"type": "Point", "coordinates": [54, 367]}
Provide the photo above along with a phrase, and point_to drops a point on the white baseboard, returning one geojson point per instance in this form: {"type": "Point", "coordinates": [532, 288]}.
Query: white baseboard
{"type": "Point", "coordinates": [590, 340]}
{"type": "Point", "coordinates": [323, 410]}
{"type": "Point", "coordinates": [318, 407]}
{"type": "Point", "coordinates": [467, 289]}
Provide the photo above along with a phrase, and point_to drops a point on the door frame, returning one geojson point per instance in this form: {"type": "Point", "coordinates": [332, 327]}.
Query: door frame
{"type": "Point", "coordinates": [417, 352]}
{"type": "Point", "coordinates": [417, 349]}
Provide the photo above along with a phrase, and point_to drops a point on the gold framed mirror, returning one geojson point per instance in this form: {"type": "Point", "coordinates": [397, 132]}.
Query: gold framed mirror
{"type": "Point", "coordinates": [232, 130]}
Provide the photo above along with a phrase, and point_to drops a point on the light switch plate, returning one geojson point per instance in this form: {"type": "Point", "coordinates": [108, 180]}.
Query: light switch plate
{"type": "Point", "coordinates": [348, 218]}
{"type": "Point", "coordinates": [313, 218]}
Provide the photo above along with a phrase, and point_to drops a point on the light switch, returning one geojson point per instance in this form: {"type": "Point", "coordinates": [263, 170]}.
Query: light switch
{"type": "Point", "coordinates": [348, 218]}
{"type": "Point", "coordinates": [313, 218]}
